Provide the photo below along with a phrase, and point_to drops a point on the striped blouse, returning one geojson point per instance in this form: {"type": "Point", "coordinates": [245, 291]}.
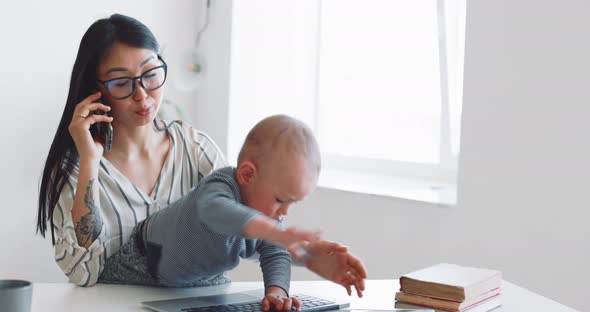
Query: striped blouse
{"type": "Point", "coordinates": [122, 205]}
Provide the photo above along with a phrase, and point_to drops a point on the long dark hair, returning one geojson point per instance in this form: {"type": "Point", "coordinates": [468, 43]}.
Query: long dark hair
{"type": "Point", "coordinates": [63, 156]}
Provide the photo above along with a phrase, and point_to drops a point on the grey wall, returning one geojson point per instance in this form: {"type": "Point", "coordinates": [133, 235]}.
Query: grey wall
{"type": "Point", "coordinates": [524, 170]}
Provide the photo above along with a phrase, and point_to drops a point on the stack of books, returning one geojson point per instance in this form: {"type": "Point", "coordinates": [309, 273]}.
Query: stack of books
{"type": "Point", "coordinates": [449, 287]}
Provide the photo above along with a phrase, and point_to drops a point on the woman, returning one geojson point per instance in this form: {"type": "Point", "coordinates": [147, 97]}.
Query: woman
{"type": "Point", "coordinates": [94, 197]}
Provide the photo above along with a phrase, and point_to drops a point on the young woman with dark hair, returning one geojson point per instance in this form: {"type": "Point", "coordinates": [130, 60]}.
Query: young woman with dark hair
{"type": "Point", "coordinates": [112, 164]}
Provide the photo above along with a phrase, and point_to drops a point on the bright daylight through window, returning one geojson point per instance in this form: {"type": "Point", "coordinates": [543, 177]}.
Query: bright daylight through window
{"type": "Point", "coordinates": [379, 81]}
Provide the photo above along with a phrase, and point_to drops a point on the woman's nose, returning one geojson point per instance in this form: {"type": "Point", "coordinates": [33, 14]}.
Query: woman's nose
{"type": "Point", "coordinates": [139, 93]}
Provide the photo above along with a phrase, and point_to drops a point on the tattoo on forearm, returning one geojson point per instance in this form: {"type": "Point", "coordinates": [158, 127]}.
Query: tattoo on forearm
{"type": "Point", "coordinates": [89, 226]}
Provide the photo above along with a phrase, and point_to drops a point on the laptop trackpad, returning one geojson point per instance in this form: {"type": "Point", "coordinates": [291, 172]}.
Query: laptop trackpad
{"type": "Point", "coordinates": [204, 301]}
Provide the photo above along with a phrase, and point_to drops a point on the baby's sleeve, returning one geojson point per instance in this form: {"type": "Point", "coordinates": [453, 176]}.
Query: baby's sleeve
{"type": "Point", "coordinates": [218, 208]}
{"type": "Point", "coordinates": [82, 266]}
{"type": "Point", "coordinates": [275, 263]}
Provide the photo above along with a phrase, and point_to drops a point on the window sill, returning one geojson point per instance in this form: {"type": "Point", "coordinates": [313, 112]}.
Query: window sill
{"type": "Point", "coordinates": [388, 186]}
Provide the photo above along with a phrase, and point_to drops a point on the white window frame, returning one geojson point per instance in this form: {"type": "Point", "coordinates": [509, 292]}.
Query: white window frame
{"type": "Point", "coordinates": [433, 176]}
{"type": "Point", "coordinates": [425, 182]}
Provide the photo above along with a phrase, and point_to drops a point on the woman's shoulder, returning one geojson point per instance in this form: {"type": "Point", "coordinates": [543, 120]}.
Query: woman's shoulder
{"type": "Point", "coordinates": [188, 138]}
{"type": "Point", "coordinates": [188, 133]}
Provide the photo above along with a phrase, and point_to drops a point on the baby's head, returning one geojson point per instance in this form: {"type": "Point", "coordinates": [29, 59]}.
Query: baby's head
{"type": "Point", "coordinates": [278, 165]}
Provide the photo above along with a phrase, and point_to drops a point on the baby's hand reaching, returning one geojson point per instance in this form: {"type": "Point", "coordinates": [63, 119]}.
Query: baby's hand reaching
{"type": "Point", "coordinates": [333, 262]}
{"type": "Point", "coordinates": [292, 235]}
{"type": "Point", "coordinates": [262, 227]}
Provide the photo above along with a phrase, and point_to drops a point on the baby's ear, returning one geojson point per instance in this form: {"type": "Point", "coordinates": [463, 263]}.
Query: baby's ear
{"type": "Point", "coordinates": [246, 172]}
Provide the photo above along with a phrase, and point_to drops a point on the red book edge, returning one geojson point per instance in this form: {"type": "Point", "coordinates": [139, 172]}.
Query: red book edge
{"type": "Point", "coordinates": [454, 310]}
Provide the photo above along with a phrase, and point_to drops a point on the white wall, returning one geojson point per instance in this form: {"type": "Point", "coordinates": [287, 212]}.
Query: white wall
{"type": "Point", "coordinates": [212, 97]}
{"type": "Point", "coordinates": [39, 42]}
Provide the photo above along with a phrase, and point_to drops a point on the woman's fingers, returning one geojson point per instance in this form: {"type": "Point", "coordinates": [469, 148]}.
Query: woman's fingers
{"type": "Point", "coordinates": [84, 121]}
{"type": "Point", "coordinates": [91, 98]}
{"type": "Point", "coordinates": [90, 104]}
{"type": "Point", "coordinates": [88, 109]}
{"type": "Point", "coordinates": [82, 118]}
{"type": "Point", "coordinates": [92, 119]}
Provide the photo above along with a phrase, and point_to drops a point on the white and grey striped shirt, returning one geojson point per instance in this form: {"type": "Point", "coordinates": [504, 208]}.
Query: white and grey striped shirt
{"type": "Point", "coordinates": [122, 205]}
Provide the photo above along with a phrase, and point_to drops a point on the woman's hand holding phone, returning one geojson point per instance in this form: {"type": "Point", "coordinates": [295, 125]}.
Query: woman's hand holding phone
{"type": "Point", "coordinates": [83, 117]}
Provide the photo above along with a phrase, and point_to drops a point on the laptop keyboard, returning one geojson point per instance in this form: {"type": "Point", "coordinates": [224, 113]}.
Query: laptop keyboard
{"type": "Point", "coordinates": [308, 303]}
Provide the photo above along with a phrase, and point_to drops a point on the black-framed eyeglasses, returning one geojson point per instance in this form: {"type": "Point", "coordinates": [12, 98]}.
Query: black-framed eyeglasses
{"type": "Point", "coordinates": [123, 87]}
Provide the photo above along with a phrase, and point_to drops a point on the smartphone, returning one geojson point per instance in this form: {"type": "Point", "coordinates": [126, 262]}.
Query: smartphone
{"type": "Point", "coordinates": [105, 131]}
{"type": "Point", "coordinates": [102, 130]}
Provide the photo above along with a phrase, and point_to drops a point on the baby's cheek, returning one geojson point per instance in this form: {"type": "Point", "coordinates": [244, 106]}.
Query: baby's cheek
{"type": "Point", "coordinates": [270, 210]}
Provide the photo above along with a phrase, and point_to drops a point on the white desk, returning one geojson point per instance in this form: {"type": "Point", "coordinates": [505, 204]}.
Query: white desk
{"type": "Point", "coordinates": [49, 297]}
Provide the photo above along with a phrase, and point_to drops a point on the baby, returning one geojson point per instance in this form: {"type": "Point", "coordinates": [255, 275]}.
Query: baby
{"type": "Point", "coordinates": [236, 213]}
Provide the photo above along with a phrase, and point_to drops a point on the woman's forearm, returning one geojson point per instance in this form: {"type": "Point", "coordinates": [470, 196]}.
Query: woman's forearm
{"type": "Point", "coordinates": [85, 214]}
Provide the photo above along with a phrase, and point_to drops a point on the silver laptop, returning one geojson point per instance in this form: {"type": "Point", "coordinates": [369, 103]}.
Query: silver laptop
{"type": "Point", "coordinates": [242, 301]}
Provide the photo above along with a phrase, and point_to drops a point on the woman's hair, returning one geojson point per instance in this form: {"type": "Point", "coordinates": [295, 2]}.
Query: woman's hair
{"type": "Point", "coordinates": [63, 156]}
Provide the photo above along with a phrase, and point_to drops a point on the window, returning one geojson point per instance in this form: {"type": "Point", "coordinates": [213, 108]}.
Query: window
{"type": "Point", "coordinates": [379, 81]}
